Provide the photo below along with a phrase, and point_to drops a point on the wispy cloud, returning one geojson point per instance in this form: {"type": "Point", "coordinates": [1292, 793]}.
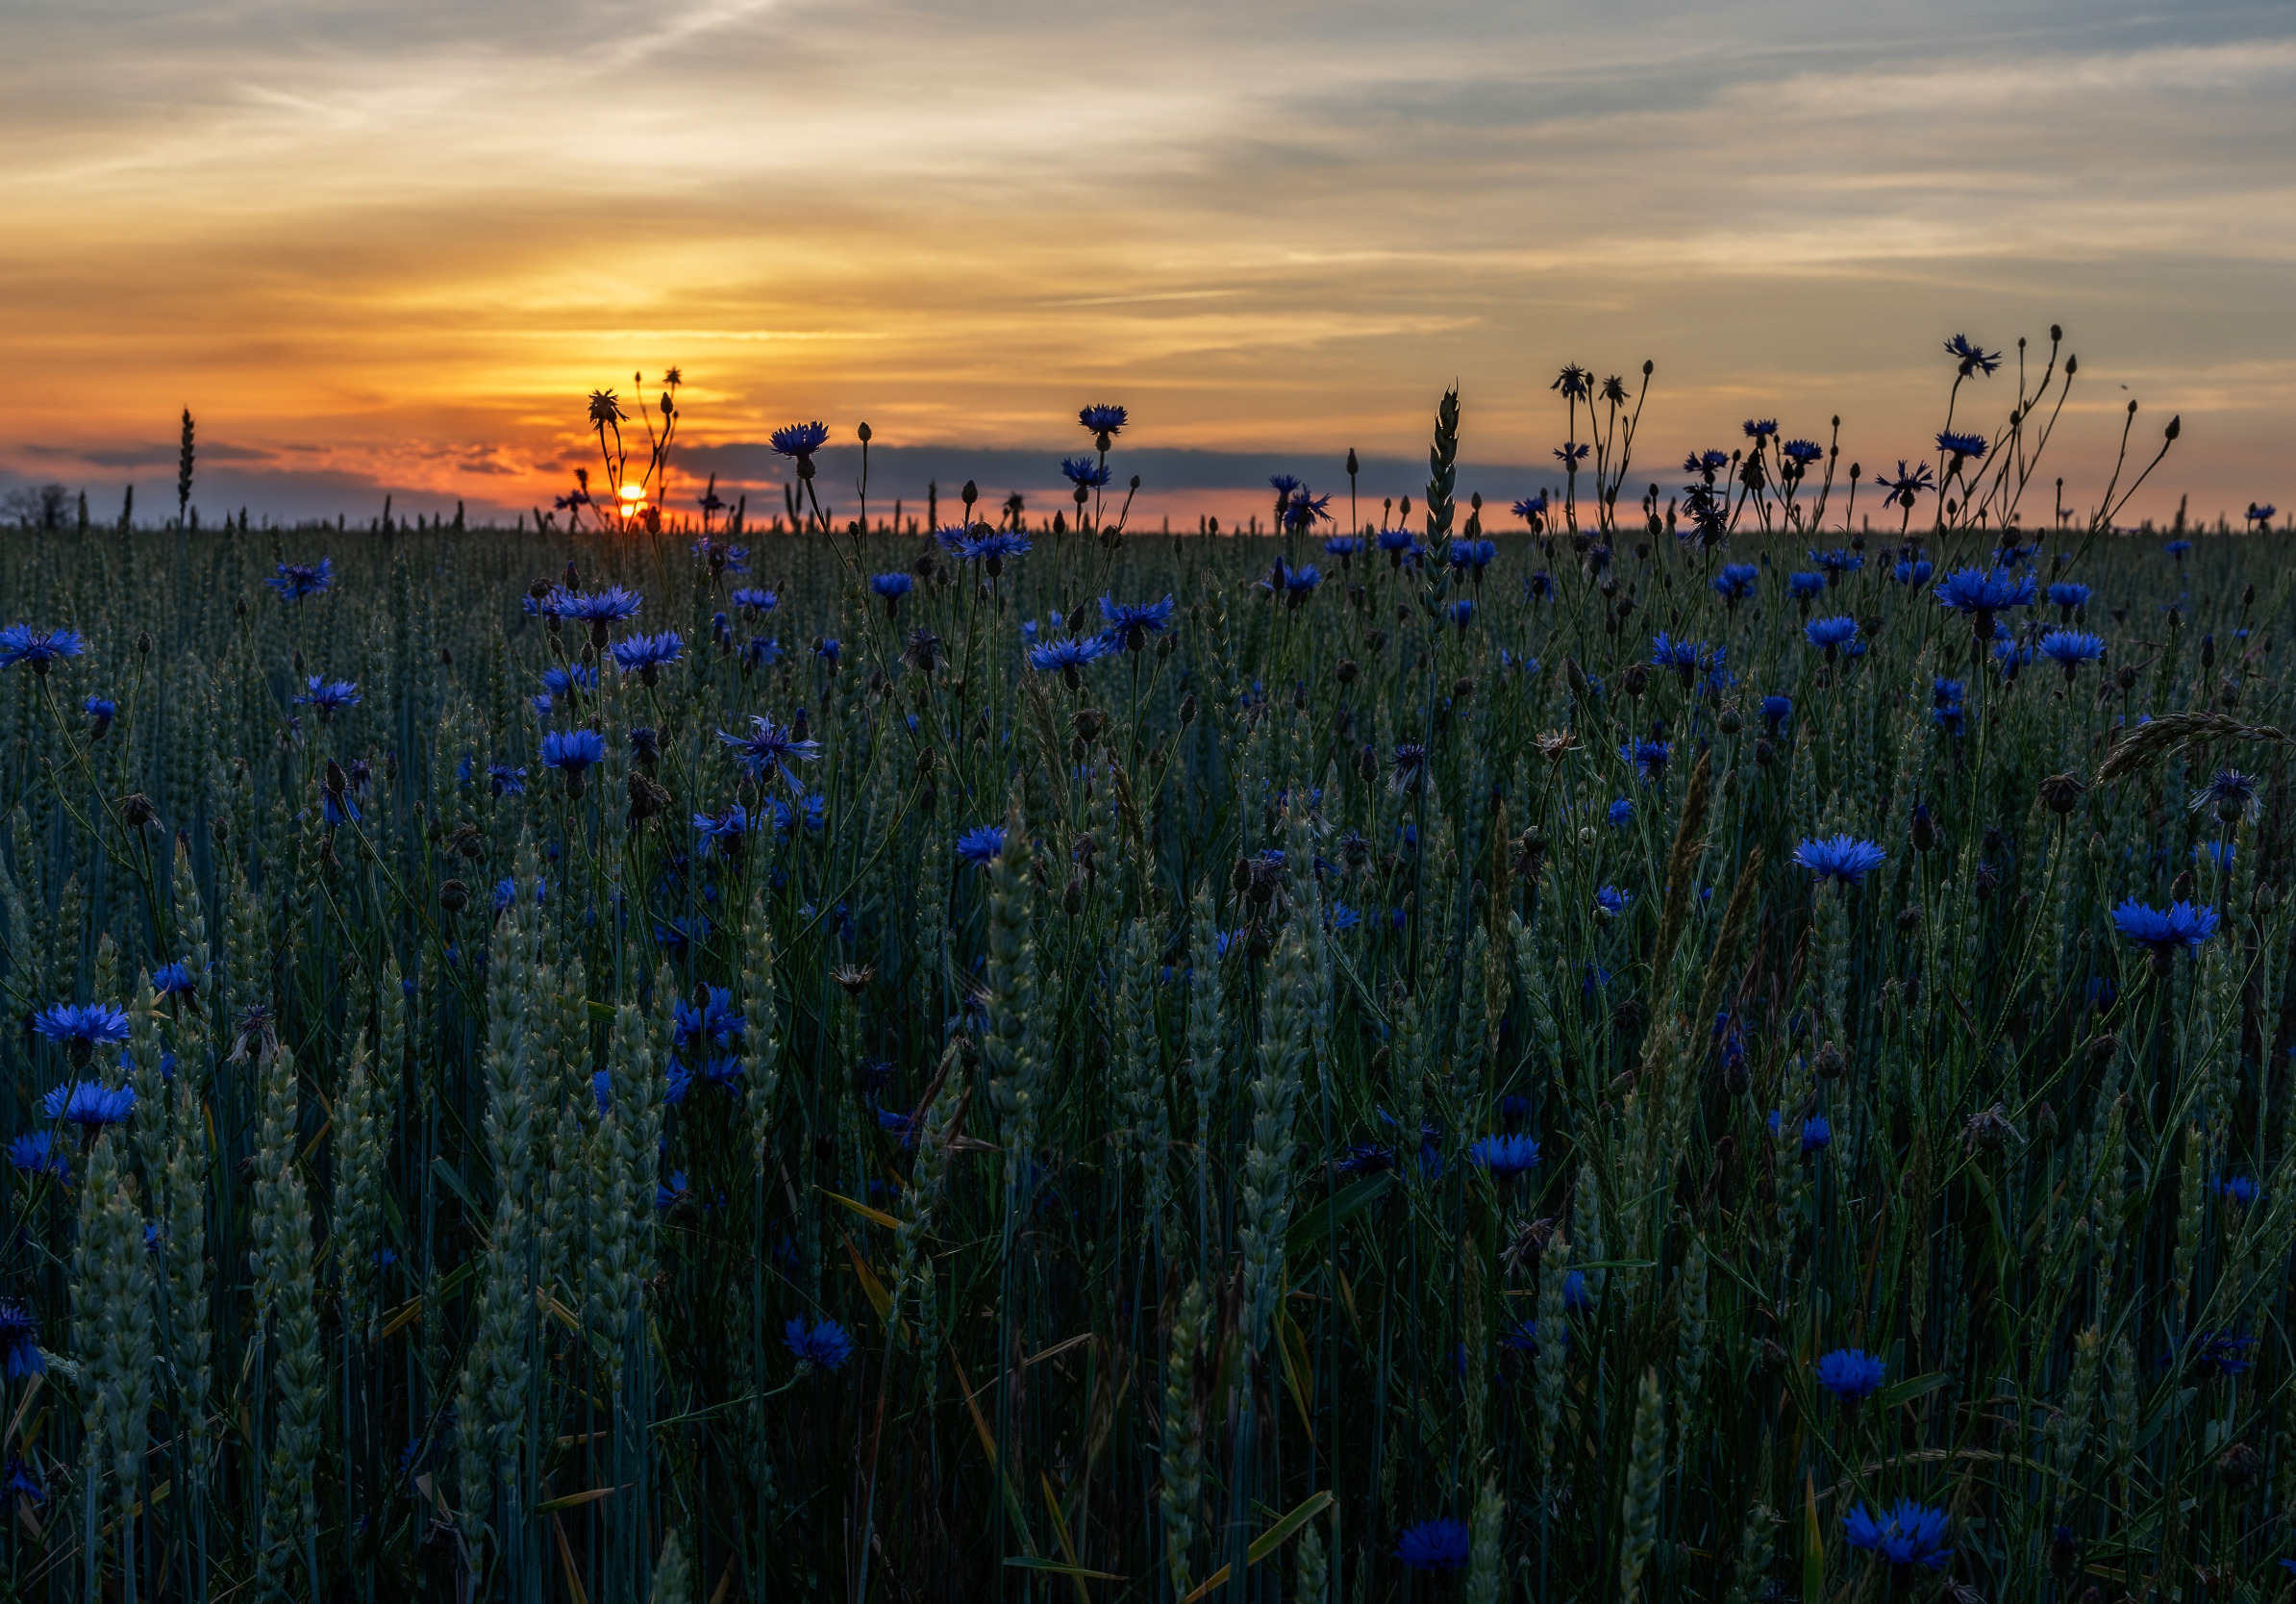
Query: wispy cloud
{"type": "Point", "coordinates": [419, 233]}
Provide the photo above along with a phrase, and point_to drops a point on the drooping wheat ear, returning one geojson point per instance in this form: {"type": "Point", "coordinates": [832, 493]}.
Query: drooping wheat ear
{"type": "Point", "coordinates": [2157, 739]}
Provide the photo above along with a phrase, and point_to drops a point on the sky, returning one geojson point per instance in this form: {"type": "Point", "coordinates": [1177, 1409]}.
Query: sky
{"type": "Point", "coordinates": [390, 249]}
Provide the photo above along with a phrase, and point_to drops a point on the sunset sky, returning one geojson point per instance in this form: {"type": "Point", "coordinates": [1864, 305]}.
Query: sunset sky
{"type": "Point", "coordinates": [390, 247]}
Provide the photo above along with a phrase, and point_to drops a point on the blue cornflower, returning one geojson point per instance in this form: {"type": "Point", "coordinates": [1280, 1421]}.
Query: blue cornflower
{"type": "Point", "coordinates": [1477, 555]}
{"type": "Point", "coordinates": [101, 710]}
{"type": "Point", "coordinates": [2068, 597]}
{"type": "Point", "coordinates": [1131, 623]}
{"type": "Point", "coordinates": [1621, 812]}
{"type": "Point", "coordinates": [826, 1345]}
{"type": "Point", "coordinates": [992, 548]}
{"type": "Point", "coordinates": [1981, 592]}
{"type": "Point", "coordinates": [569, 682]}
{"type": "Point", "coordinates": [892, 588]}
{"type": "Point", "coordinates": [598, 608]}
{"type": "Point", "coordinates": [1504, 1156]}
{"type": "Point", "coordinates": [1084, 472]}
{"type": "Point", "coordinates": [2232, 793]}
{"type": "Point", "coordinates": [1829, 635]}
{"type": "Point", "coordinates": [2219, 1353]}
{"type": "Point", "coordinates": [1681, 656]}
{"type": "Point", "coordinates": [1735, 582]}
{"type": "Point", "coordinates": [769, 750]}
{"type": "Point", "coordinates": [725, 832]}
{"type": "Point", "coordinates": [2071, 648]}
{"type": "Point", "coordinates": [1101, 419]}
{"type": "Point", "coordinates": [571, 751]}
{"type": "Point", "coordinates": [2162, 932]}
{"type": "Point", "coordinates": [1068, 656]}
{"type": "Point", "coordinates": [645, 655]}
{"type": "Point", "coordinates": [328, 697]}
{"type": "Point", "coordinates": [1805, 588]}
{"type": "Point", "coordinates": [799, 441]}
{"type": "Point", "coordinates": [1971, 358]}
{"type": "Point", "coordinates": [295, 581]}
{"type": "Point", "coordinates": [1648, 757]}
{"type": "Point", "coordinates": [1851, 1374]}
{"type": "Point", "coordinates": [715, 1018]}
{"type": "Point", "coordinates": [36, 1154]}
{"type": "Point", "coordinates": [754, 601]}
{"type": "Point", "coordinates": [1434, 1545]}
{"type": "Point", "coordinates": [1776, 711]}
{"type": "Point", "coordinates": [505, 780]}
{"type": "Point", "coordinates": [20, 1336]}
{"type": "Point", "coordinates": [1843, 858]}
{"type": "Point", "coordinates": [980, 844]}
{"type": "Point", "coordinates": [1610, 900]}
{"type": "Point", "coordinates": [1905, 1534]}
{"type": "Point", "coordinates": [79, 1028]}
{"type": "Point", "coordinates": [91, 1105]}
{"type": "Point", "coordinates": [38, 649]}
{"type": "Point", "coordinates": [1960, 447]}
{"type": "Point", "coordinates": [171, 980]}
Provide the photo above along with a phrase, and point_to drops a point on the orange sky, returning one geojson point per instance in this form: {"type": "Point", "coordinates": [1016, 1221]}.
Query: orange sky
{"type": "Point", "coordinates": [390, 249]}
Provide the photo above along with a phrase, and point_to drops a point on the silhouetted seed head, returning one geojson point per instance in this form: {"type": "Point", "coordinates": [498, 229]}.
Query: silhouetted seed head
{"type": "Point", "coordinates": [2062, 793]}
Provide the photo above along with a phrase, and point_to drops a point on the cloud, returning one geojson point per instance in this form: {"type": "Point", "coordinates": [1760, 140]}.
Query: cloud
{"type": "Point", "coordinates": [399, 244]}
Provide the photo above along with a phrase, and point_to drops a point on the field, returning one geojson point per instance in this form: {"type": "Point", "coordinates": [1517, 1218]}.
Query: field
{"type": "Point", "coordinates": [1674, 1054]}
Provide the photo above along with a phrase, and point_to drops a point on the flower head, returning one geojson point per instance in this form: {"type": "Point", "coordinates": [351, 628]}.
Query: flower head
{"type": "Point", "coordinates": [327, 697]}
{"type": "Point", "coordinates": [36, 1153]}
{"type": "Point", "coordinates": [1982, 592]}
{"type": "Point", "coordinates": [89, 1105]}
{"type": "Point", "coordinates": [1503, 1156]}
{"type": "Point", "coordinates": [1843, 858]}
{"type": "Point", "coordinates": [2162, 930]}
{"type": "Point", "coordinates": [1971, 358]}
{"type": "Point", "coordinates": [1851, 1374]}
{"type": "Point", "coordinates": [2071, 648]}
{"type": "Point", "coordinates": [769, 750]}
{"type": "Point", "coordinates": [799, 441]}
{"type": "Point", "coordinates": [297, 580]}
{"type": "Point", "coordinates": [2232, 793]}
{"type": "Point", "coordinates": [19, 1338]}
{"type": "Point", "coordinates": [79, 1028]}
{"type": "Point", "coordinates": [1905, 1534]}
{"type": "Point", "coordinates": [571, 751]}
{"type": "Point", "coordinates": [646, 655]}
{"type": "Point", "coordinates": [1434, 1544]}
{"type": "Point", "coordinates": [825, 1344]}
{"type": "Point", "coordinates": [1829, 635]}
{"type": "Point", "coordinates": [38, 649]}
{"type": "Point", "coordinates": [1133, 622]}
